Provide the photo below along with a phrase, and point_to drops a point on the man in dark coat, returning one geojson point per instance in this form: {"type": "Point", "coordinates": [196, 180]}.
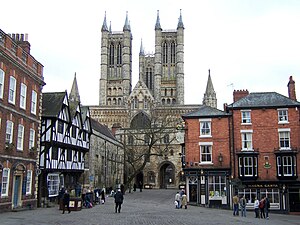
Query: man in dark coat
{"type": "Point", "coordinates": [66, 201]}
{"type": "Point", "coordinates": [118, 200]}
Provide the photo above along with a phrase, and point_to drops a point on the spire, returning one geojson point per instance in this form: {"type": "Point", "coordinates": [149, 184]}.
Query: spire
{"type": "Point", "coordinates": [127, 24]}
{"type": "Point", "coordinates": [142, 48]}
{"type": "Point", "coordinates": [157, 24]}
{"type": "Point", "coordinates": [104, 26]}
{"type": "Point", "coordinates": [74, 94]}
{"type": "Point", "coordinates": [109, 26]}
{"type": "Point", "coordinates": [180, 23]}
{"type": "Point", "coordinates": [210, 98]}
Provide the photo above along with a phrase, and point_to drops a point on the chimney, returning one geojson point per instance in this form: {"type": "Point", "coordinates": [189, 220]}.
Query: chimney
{"type": "Point", "coordinates": [22, 41]}
{"type": "Point", "coordinates": [291, 89]}
{"type": "Point", "coordinates": [238, 94]}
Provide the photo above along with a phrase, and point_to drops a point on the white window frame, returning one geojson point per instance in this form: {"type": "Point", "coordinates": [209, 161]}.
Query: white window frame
{"type": "Point", "coordinates": [28, 182]}
{"type": "Point", "coordinates": [31, 138]}
{"type": "Point", "coordinates": [9, 131]}
{"type": "Point", "coordinates": [284, 136]}
{"type": "Point", "coordinates": [33, 102]}
{"type": "Point", "coordinates": [286, 166]}
{"type": "Point", "coordinates": [283, 115]}
{"type": "Point", "coordinates": [206, 154]}
{"type": "Point", "coordinates": [246, 139]}
{"type": "Point", "coordinates": [5, 182]}
{"type": "Point", "coordinates": [246, 116]}
{"type": "Point", "coordinates": [205, 127]}
{"type": "Point", "coordinates": [23, 93]}
{"type": "Point", "coordinates": [2, 76]}
{"type": "Point", "coordinates": [53, 184]}
{"type": "Point", "coordinates": [20, 139]}
{"type": "Point", "coordinates": [12, 90]}
{"type": "Point", "coordinates": [216, 187]}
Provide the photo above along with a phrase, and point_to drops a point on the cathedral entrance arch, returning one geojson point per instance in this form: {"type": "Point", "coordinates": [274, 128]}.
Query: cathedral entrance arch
{"type": "Point", "coordinates": [167, 175]}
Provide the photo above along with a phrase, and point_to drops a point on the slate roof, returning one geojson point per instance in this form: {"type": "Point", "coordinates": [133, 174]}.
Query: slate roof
{"type": "Point", "coordinates": [102, 129]}
{"type": "Point", "coordinates": [205, 111]}
{"type": "Point", "coordinates": [52, 103]}
{"type": "Point", "coordinates": [264, 100]}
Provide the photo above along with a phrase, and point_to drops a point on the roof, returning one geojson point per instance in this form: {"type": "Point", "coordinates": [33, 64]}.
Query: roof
{"type": "Point", "coordinates": [205, 111]}
{"type": "Point", "coordinates": [52, 103]}
{"type": "Point", "coordinates": [102, 129]}
{"type": "Point", "coordinates": [264, 100]}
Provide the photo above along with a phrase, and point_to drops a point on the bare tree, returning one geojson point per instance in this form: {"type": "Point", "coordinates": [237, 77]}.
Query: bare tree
{"type": "Point", "coordinates": [149, 135]}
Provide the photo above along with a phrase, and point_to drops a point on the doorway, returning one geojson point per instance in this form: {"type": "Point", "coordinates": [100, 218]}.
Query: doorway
{"type": "Point", "coordinates": [167, 175]}
{"type": "Point", "coordinates": [16, 194]}
{"type": "Point", "coordinates": [294, 197]}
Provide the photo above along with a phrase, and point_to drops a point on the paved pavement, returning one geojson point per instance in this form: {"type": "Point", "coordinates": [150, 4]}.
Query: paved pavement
{"type": "Point", "coordinates": [151, 207]}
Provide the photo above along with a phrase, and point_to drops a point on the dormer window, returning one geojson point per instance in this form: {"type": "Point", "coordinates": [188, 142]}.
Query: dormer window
{"type": "Point", "coordinates": [282, 115]}
{"type": "Point", "coordinates": [246, 117]}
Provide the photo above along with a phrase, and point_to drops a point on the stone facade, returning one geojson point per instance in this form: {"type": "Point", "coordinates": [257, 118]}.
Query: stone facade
{"type": "Point", "coordinates": [160, 89]}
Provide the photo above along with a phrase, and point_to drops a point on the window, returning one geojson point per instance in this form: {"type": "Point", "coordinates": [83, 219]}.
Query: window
{"type": "Point", "coordinates": [130, 140]}
{"type": "Point", "coordinates": [60, 127]}
{"type": "Point", "coordinates": [5, 182]}
{"type": "Point", "coordinates": [246, 117]}
{"type": "Point", "coordinates": [53, 184]}
{"type": "Point", "coordinates": [55, 153]}
{"type": "Point", "coordinates": [151, 177]}
{"type": "Point", "coordinates": [284, 139]}
{"type": "Point", "coordinates": [74, 131]}
{"type": "Point", "coordinates": [69, 155]}
{"type": "Point", "coordinates": [33, 102]}
{"type": "Point", "coordinates": [146, 139]}
{"type": "Point", "coordinates": [248, 166]}
{"type": "Point", "coordinates": [282, 115]}
{"type": "Point", "coordinates": [205, 128]}
{"type": "Point", "coordinates": [23, 92]}
{"type": "Point", "coordinates": [216, 187]}
{"type": "Point", "coordinates": [28, 182]}
{"type": "Point", "coordinates": [247, 140]}
{"type": "Point", "coordinates": [1, 83]}
{"type": "Point", "coordinates": [31, 138]}
{"type": "Point", "coordinates": [286, 166]}
{"type": "Point", "coordinates": [166, 139]}
{"type": "Point", "coordinates": [9, 132]}
{"type": "Point", "coordinates": [205, 152]}
{"type": "Point", "coordinates": [20, 137]}
{"type": "Point", "coordinates": [12, 90]}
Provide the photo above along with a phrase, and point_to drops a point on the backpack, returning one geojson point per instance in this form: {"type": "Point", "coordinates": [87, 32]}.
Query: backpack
{"type": "Point", "coordinates": [261, 204]}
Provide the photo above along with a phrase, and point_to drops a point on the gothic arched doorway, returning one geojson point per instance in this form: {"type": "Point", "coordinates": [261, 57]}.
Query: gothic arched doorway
{"type": "Point", "coordinates": [167, 175]}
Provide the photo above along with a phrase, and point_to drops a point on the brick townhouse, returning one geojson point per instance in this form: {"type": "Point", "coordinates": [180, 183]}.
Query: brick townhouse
{"type": "Point", "coordinates": [21, 83]}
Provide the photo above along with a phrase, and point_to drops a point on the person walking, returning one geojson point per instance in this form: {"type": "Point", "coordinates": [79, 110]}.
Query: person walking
{"type": "Point", "coordinates": [66, 201]}
{"type": "Point", "coordinates": [267, 207]}
{"type": "Point", "coordinates": [243, 204]}
{"type": "Point", "coordinates": [177, 199]}
{"type": "Point", "coordinates": [256, 208]}
{"type": "Point", "coordinates": [262, 208]}
{"type": "Point", "coordinates": [235, 201]}
{"type": "Point", "coordinates": [184, 200]}
{"type": "Point", "coordinates": [118, 200]}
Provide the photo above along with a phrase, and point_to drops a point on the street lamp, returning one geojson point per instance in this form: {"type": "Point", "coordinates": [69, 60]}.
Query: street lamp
{"type": "Point", "coordinates": [220, 159]}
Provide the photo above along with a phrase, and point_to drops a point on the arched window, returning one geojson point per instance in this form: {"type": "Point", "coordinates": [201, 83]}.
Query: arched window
{"type": "Point", "coordinates": [168, 101]}
{"type": "Point", "coordinates": [119, 54]}
{"type": "Point", "coordinates": [114, 101]}
{"type": "Point", "coordinates": [173, 52]}
{"type": "Point", "coordinates": [165, 53]}
{"type": "Point", "coordinates": [111, 54]}
{"type": "Point", "coordinates": [163, 101]}
{"type": "Point", "coordinates": [109, 101]}
{"type": "Point", "coordinates": [119, 101]}
{"type": "Point", "coordinates": [136, 103]}
{"type": "Point", "coordinates": [120, 91]}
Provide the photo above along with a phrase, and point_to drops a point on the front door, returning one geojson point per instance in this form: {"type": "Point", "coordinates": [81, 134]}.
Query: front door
{"type": "Point", "coordinates": [16, 191]}
{"type": "Point", "coordinates": [294, 197]}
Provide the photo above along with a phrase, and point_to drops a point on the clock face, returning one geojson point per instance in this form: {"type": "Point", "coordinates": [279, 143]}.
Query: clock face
{"type": "Point", "coordinates": [180, 137]}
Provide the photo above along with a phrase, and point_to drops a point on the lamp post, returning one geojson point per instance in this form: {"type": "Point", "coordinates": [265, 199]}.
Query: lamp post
{"type": "Point", "coordinates": [220, 159]}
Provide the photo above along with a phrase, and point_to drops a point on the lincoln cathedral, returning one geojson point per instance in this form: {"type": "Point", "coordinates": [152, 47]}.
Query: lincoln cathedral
{"type": "Point", "coordinates": [160, 89]}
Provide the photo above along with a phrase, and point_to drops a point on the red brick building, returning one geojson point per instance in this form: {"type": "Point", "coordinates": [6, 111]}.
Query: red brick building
{"type": "Point", "coordinates": [207, 157]}
{"type": "Point", "coordinates": [21, 82]}
{"type": "Point", "coordinates": [266, 143]}
{"type": "Point", "coordinates": [249, 149]}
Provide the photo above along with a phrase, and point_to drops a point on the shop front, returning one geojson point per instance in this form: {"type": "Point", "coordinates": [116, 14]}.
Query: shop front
{"type": "Point", "coordinates": [208, 187]}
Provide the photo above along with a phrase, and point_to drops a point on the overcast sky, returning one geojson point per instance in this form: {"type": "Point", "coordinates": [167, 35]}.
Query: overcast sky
{"type": "Point", "coordinates": [247, 44]}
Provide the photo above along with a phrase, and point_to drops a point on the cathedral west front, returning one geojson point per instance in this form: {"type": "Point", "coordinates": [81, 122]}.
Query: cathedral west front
{"type": "Point", "coordinates": [124, 107]}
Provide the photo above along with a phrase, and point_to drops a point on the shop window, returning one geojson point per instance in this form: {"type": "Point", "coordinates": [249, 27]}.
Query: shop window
{"type": "Point", "coordinates": [53, 184]}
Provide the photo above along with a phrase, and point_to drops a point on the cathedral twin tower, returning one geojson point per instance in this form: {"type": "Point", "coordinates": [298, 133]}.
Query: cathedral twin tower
{"type": "Point", "coordinates": [162, 73]}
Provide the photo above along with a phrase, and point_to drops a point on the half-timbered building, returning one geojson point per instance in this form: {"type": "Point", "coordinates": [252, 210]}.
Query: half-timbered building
{"type": "Point", "coordinates": [65, 139]}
